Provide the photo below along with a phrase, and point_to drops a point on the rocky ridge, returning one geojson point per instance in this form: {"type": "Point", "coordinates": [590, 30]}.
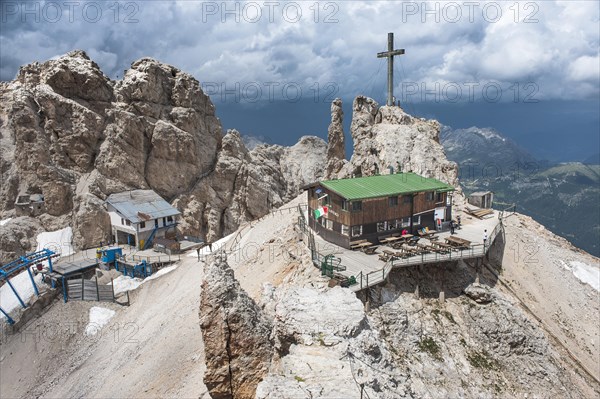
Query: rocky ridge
{"type": "Point", "coordinates": [325, 343]}
{"type": "Point", "coordinates": [70, 133]}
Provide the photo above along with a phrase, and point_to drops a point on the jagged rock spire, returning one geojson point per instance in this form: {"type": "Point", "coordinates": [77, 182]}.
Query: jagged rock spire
{"type": "Point", "coordinates": [336, 151]}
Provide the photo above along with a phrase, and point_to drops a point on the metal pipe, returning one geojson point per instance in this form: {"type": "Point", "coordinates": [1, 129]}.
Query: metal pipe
{"type": "Point", "coordinates": [35, 288]}
{"type": "Point", "coordinates": [64, 289]}
{"type": "Point", "coordinates": [8, 318]}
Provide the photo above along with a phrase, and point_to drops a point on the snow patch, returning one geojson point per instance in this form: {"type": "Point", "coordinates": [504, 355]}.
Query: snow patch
{"type": "Point", "coordinates": [99, 317]}
{"type": "Point", "coordinates": [125, 283]}
{"type": "Point", "coordinates": [22, 283]}
{"type": "Point", "coordinates": [586, 274]}
{"type": "Point", "coordinates": [161, 272]}
{"type": "Point", "coordinates": [58, 241]}
{"type": "Point", "coordinates": [4, 221]}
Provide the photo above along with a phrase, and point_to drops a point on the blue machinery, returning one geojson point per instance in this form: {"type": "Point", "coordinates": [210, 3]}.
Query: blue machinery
{"type": "Point", "coordinates": [142, 269]}
{"type": "Point", "coordinates": [115, 255]}
{"type": "Point", "coordinates": [23, 262]}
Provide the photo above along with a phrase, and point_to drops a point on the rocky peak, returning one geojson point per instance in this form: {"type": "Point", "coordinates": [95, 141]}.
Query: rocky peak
{"type": "Point", "coordinates": [388, 140]}
{"type": "Point", "coordinates": [74, 76]}
{"type": "Point", "coordinates": [70, 133]}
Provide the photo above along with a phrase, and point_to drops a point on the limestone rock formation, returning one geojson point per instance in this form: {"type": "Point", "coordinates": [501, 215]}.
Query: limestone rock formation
{"type": "Point", "coordinates": [236, 335]}
{"type": "Point", "coordinates": [17, 236]}
{"type": "Point", "coordinates": [336, 150]}
{"type": "Point", "coordinates": [324, 341]}
{"type": "Point", "coordinates": [70, 133]}
{"type": "Point", "coordinates": [388, 140]}
{"type": "Point", "coordinates": [307, 316]}
{"type": "Point", "coordinates": [480, 293]}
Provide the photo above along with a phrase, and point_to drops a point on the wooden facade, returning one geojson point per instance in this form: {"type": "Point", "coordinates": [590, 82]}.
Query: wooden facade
{"type": "Point", "coordinates": [372, 218]}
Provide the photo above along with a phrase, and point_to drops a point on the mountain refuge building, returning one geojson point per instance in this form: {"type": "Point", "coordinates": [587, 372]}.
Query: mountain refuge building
{"type": "Point", "coordinates": [346, 210]}
{"type": "Point", "coordinates": [137, 217]}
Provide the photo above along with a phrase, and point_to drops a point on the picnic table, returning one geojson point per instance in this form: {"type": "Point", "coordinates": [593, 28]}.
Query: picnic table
{"type": "Point", "coordinates": [443, 247]}
{"type": "Point", "coordinates": [458, 242]}
{"type": "Point", "coordinates": [370, 250]}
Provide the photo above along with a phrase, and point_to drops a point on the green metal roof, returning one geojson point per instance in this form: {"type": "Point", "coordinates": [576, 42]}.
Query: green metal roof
{"type": "Point", "coordinates": [384, 186]}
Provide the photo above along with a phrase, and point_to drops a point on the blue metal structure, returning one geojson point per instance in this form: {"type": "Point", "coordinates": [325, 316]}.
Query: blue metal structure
{"type": "Point", "coordinates": [109, 254]}
{"type": "Point", "coordinates": [142, 269]}
{"type": "Point", "coordinates": [23, 262]}
{"type": "Point", "coordinates": [148, 242]}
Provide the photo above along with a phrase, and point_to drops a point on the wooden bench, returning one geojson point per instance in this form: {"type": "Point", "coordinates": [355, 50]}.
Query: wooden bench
{"type": "Point", "coordinates": [390, 239]}
{"type": "Point", "coordinates": [362, 245]}
{"type": "Point", "coordinates": [355, 244]}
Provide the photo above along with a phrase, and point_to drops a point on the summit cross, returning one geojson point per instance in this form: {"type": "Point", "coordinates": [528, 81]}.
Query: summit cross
{"type": "Point", "coordinates": [390, 54]}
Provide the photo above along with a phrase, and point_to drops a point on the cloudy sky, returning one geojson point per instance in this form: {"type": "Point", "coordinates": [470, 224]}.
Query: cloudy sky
{"type": "Point", "coordinates": [520, 59]}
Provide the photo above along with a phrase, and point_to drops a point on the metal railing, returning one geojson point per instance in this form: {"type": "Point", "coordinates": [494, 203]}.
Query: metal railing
{"type": "Point", "coordinates": [508, 211]}
{"type": "Point", "coordinates": [474, 251]}
{"type": "Point", "coordinates": [377, 276]}
{"type": "Point", "coordinates": [155, 259]}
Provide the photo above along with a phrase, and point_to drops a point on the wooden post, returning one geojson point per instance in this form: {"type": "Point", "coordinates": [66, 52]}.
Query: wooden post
{"type": "Point", "coordinates": [112, 283]}
{"type": "Point", "coordinates": [442, 296]}
{"type": "Point", "coordinates": [418, 280]}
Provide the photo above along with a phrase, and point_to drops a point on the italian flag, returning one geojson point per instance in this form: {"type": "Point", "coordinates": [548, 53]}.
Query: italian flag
{"type": "Point", "coordinates": [322, 211]}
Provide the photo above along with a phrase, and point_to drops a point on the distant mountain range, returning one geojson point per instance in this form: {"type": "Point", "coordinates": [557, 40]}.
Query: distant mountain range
{"type": "Point", "coordinates": [563, 197]}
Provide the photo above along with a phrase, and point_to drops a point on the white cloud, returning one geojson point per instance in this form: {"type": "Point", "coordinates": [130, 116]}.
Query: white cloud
{"type": "Point", "coordinates": [559, 52]}
{"type": "Point", "coordinates": [584, 68]}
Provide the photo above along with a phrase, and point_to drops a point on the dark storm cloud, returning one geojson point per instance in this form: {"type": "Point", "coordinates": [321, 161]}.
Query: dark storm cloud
{"type": "Point", "coordinates": [553, 44]}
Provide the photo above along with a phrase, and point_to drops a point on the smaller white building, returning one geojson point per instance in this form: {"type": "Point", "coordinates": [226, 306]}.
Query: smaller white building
{"type": "Point", "coordinates": [139, 216]}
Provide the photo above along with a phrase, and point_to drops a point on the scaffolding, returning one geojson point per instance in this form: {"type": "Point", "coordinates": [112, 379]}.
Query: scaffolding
{"type": "Point", "coordinates": [23, 262]}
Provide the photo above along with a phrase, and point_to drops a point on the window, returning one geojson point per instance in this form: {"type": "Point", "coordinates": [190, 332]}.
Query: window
{"type": "Point", "coordinates": [329, 224]}
{"type": "Point", "coordinates": [155, 222]}
{"type": "Point", "coordinates": [345, 230]}
{"type": "Point", "coordinates": [439, 197]}
{"type": "Point", "coordinates": [429, 196]}
{"type": "Point", "coordinates": [416, 220]}
{"type": "Point", "coordinates": [393, 224]}
{"type": "Point", "coordinates": [356, 206]}
{"type": "Point", "coordinates": [393, 201]}
{"type": "Point", "coordinates": [322, 220]}
{"type": "Point", "coordinates": [142, 225]}
{"type": "Point", "coordinates": [382, 226]}
{"type": "Point", "coordinates": [405, 222]}
{"type": "Point", "coordinates": [128, 222]}
{"type": "Point", "coordinates": [170, 219]}
{"type": "Point", "coordinates": [345, 205]}
{"type": "Point", "coordinates": [357, 231]}
{"type": "Point", "coordinates": [406, 199]}
{"type": "Point", "coordinates": [122, 221]}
